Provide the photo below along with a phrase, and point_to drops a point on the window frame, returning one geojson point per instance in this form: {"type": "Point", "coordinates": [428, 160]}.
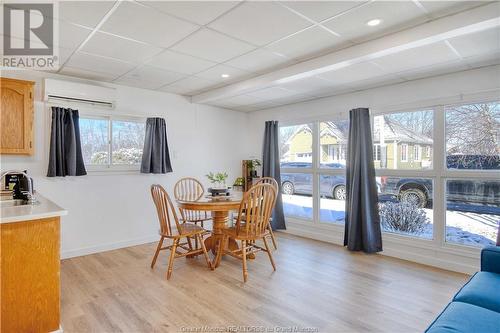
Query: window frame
{"type": "Point", "coordinates": [316, 171]}
{"type": "Point", "coordinates": [417, 153]}
{"type": "Point", "coordinates": [377, 149]}
{"type": "Point", "coordinates": [110, 167]}
{"type": "Point", "coordinates": [404, 152]}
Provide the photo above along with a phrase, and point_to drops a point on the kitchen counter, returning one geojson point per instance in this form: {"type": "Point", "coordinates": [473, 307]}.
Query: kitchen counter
{"type": "Point", "coordinates": [44, 208]}
{"type": "Point", "coordinates": [30, 242]}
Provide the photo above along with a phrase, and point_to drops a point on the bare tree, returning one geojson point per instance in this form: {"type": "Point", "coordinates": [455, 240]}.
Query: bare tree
{"type": "Point", "coordinates": [473, 130]}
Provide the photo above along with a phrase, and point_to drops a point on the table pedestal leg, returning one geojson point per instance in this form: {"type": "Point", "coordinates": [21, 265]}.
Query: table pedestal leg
{"type": "Point", "coordinates": [220, 219]}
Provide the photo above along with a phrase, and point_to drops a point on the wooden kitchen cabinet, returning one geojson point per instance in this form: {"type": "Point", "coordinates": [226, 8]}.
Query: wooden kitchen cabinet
{"type": "Point", "coordinates": [16, 116]}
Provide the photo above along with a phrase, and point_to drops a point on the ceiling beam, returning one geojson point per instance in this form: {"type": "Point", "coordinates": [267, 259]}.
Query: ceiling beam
{"type": "Point", "coordinates": [474, 20]}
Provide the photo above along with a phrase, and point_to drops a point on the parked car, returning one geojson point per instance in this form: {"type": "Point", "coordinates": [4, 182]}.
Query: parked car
{"type": "Point", "coordinates": [419, 190]}
{"type": "Point", "coordinates": [331, 186]}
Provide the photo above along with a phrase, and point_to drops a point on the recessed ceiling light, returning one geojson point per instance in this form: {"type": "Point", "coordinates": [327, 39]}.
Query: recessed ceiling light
{"type": "Point", "coordinates": [374, 22]}
{"type": "Point", "coordinates": [225, 76]}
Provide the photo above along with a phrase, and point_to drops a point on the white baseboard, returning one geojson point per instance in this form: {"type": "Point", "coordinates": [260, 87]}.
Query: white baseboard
{"type": "Point", "coordinates": [108, 247]}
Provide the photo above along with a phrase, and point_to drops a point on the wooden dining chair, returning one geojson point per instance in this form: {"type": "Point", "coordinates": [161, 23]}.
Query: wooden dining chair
{"type": "Point", "coordinates": [190, 189]}
{"type": "Point", "coordinates": [251, 225]}
{"type": "Point", "coordinates": [274, 183]}
{"type": "Point", "coordinates": [166, 213]}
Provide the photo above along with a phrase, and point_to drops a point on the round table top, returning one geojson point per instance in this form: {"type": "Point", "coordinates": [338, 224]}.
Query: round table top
{"type": "Point", "coordinates": [210, 203]}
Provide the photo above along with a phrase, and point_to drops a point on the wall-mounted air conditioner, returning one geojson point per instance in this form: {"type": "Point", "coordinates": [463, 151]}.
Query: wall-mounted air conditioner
{"type": "Point", "coordinates": [57, 91]}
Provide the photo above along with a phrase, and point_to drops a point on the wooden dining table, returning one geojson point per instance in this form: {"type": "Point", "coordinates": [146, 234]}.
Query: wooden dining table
{"type": "Point", "coordinates": [220, 206]}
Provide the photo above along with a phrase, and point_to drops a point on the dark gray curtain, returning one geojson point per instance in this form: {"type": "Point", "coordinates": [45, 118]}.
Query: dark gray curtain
{"type": "Point", "coordinates": [362, 222]}
{"type": "Point", "coordinates": [271, 168]}
{"type": "Point", "coordinates": [155, 156]}
{"type": "Point", "coordinates": [65, 157]}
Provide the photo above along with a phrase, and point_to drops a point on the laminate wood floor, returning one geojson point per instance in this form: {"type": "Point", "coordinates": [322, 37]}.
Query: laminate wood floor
{"type": "Point", "coordinates": [318, 287]}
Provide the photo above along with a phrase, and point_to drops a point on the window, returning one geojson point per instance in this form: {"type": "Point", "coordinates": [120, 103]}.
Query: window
{"type": "Point", "coordinates": [405, 200]}
{"type": "Point", "coordinates": [395, 132]}
{"type": "Point", "coordinates": [472, 211]}
{"type": "Point", "coordinates": [376, 152]}
{"type": "Point", "coordinates": [333, 143]}
{"type": "Point", "coordinates": [472, 155]}
{"type": "Point", "coordinates": [296, 152]}
{"type": "Point", "coordinates": [296, 146]}
{"type": "Point", "coordinates": [111, 143]}
{"type": "Point", "coordinates": [472, 132]}
{"type": "Point", "coordinates": [405, 205]}
{"type": "Point", "coordinates": [307, 162]}
{"type": "Point", "coordinates": [428, 152]}
{"type": "Point", "coordinates": [417, 150]}
{"type": "Point", "coordinates": [404, 152]}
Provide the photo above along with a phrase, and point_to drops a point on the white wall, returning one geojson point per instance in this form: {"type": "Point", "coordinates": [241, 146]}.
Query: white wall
{"type": "Point", "coordinates": [114, 210]}
{"type": "Point", "coordinates": [472, 85]}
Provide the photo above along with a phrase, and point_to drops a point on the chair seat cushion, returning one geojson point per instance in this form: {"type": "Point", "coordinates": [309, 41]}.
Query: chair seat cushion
{"type": "Point", "coordinates": [467, 318]}
{"type": "Point", "coordinates": [483, 290]}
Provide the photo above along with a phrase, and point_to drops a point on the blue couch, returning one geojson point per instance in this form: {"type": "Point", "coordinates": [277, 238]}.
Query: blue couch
{"type": "Point", "coordinates": [476, 307]}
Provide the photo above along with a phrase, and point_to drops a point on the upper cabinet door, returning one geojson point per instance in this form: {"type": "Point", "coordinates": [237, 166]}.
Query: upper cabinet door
{"type": "Point", "coordinates": [16, 117]}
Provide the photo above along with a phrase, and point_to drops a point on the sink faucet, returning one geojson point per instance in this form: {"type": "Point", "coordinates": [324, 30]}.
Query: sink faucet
{"type": "Point", "coordinates": [31, 194]}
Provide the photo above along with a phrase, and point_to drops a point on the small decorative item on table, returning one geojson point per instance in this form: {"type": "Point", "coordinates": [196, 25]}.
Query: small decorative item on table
{"type": "Point", "coordinates": [219, 187]}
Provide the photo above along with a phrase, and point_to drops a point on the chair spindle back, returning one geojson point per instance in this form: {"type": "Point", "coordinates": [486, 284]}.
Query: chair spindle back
{"type": "Point", "coordinates": [189, 189]}
{"type": "Point", "coordinates": [165, 209]}
{"type": "Point", "coordinates": [269, 180]}
{"type": "Point", "coordinates": [256, 207]}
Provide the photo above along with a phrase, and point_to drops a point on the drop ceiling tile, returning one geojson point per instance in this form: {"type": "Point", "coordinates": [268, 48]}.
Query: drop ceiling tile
{"type": "Point", "coordinates": [86, 74]}
{"type": "Point", "coordinates": [200, 12]}
{"type": "Point", "coordinates": [214, 74]}
{"type": "Point", "coordinates": [87, 13]}
{"type": "Point", "coordinates": [71, 36]}
{"type": "Point", "coordinates": [306, 43]}
{"type": "Point", "coordinates": [212, 46]}
{"type": "Point", "coordinates": [100, 64]}
{"type": "Point", "coordinates": [394, 15]}
{"type": "Point", "coordinates": [131, 82]}
{"type": "Point", "coordinates": [119, 48]}
{"type": "Point", "coordinates": [189, 85]}
{"type": "Point", "coordinates": [152, 77]}
{"type": "Point", "coordinates": [259, 22]}
{"type": "Point", "coordinates": [320, 10]}
{"type": "Point", "coordinates": [272, 93]}
{"type": "Point", "coordinates": [440, 8]}
{"type": "Point", "coordinates": [146, 24]}
{"type": "Point", "coordinates": [417, 57]}
{"type": "Point", "coordinates": [180, 63]}
{"type": "Point", "coordinates": [258, 61]}
{"type": "Point", "coordinates": [475, 44]}
{"type": "Point", "coordinates": [353, 73]}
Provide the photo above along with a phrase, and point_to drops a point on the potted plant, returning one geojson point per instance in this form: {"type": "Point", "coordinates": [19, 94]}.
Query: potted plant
{"type": "Point", "coordinates": [252, 165]}
{"type": "Point", "coordinates": [218, 179]}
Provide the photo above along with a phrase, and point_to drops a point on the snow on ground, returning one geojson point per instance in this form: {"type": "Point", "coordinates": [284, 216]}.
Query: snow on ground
{"type": "Point", "coordinates": [467, 228]}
